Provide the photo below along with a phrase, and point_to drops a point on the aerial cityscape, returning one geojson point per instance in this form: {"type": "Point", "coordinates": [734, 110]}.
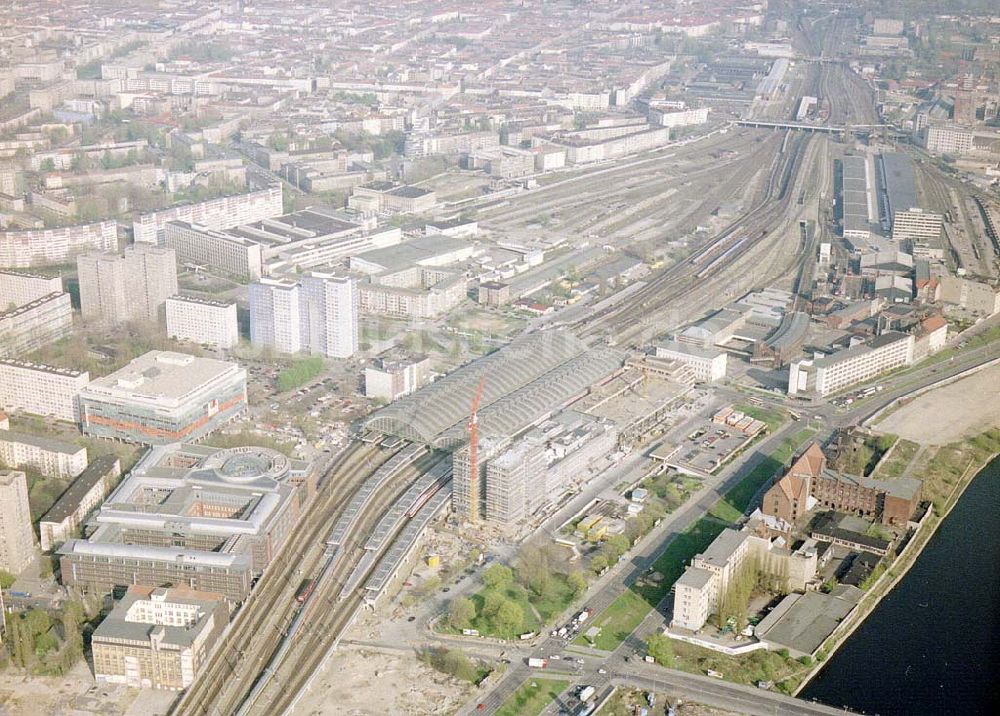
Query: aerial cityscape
{"type": "Point", "coordinates": [509, 358]}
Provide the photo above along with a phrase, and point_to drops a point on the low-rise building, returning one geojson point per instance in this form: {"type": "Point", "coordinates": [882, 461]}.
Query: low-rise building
{"type": "Point", "coordinates": [809, 484]}
{"type": "Point", "coordinates": [158, 637]}
{"type": "Point", "coordinates": [212, 323]}
{"type": "Point", "coordinates": [392, 378]}
{"type": "Point", "coordinates": [51, 457]}
{"type": "Point", "coordinates": [64, 518]}
{"type": "Point", "coordinates": [494, 293]}
{"type": "Point", "coordinates": [708, 364]}
{"type": "Point", "coordinates": [383, 197]}
{"type": "Point", "coordinates": [163, 397]}
{"type": "Point", "coordinates": [41, 389]}
{"type": "Point", "coordinates": [977, 297]}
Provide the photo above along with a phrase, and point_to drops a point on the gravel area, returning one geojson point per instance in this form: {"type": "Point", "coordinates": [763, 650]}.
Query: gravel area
{"type": "Point", "coordinates": [947, 414]}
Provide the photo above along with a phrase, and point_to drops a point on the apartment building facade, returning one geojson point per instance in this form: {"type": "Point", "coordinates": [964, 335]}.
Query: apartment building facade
{"type": "Point", "coordinates": [18, 288]}
{"type": "Point", "coordinates": [41, 389]}
{"type": "Point", "coordinates": [40, 247]}
{"type": "Point", "coordinates": [17, 538]}
{"type": "Point", "coordinates": [35, 324]}
{"type": "Point", "coordinates": [53, 458]}
{"type": "Point", "coordinates": [212, 323]}
{"type": "Point", "coordinates": [134, 286]}
{"type": "Point", "coordinates": [851, 366]}
{"type": "Point", "coordinates": [227, 253]}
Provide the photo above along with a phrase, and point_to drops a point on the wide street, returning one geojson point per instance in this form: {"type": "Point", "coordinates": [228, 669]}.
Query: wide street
{"type": "Point", "coordinates": [605, 590]}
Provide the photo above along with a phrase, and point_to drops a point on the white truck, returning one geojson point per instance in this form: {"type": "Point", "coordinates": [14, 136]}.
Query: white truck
{"type": "Point", "coordinates": [536, 662]}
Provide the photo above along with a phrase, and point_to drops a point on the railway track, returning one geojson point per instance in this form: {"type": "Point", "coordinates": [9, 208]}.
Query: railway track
{"type": "Point", "coordinates": [271, 607]}
{"type": "Point", "coordinates": [624, 319]}
{"type": "Point", "coordinates": [333, 606]}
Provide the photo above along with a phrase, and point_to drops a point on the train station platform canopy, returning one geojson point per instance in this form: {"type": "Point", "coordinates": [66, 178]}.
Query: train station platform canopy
{"type": "Point", "coordinates": [525, 380]}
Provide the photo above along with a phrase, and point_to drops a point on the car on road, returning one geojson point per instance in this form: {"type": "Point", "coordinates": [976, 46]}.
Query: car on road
{"type": "Point", "coordinates": [602, 670]}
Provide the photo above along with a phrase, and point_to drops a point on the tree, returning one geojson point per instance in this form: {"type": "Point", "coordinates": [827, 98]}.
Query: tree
{"type": "Point", "coordinates": [533, 569]}
{"type": "Point", "coordinates": [492, 603]}
{"type": "Point", "coordinates": [509, 619]}
{"type": "Point", "coordinates": [48, 165]}
{"type": "Point", "coordinates": [659, 647]}
{"type": "Point", "coordinates": [460, 612]}
{"type": "Point", "coordinates": [458, 665]}
{"type": "Point", "coordinates": [497, 576]}
{"type": "Point", "coordinates": [45, 643]}
{"type": "Point", "coordinates": [598, 563]}
{"type": "Point", "coordinates": [6, 579]}
{"type": "Point", "coordinates": [37, 621]}
{"type": "Point", "coordinates": [577, 582]}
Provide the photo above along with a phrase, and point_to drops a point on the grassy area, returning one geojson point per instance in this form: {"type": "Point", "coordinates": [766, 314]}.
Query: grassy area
{"type": "Point", "coordinates": [902, 455]}
{"type": "Point", "coordinates": [773, 417]}
{"type": "Point", "coordinates": [946, 466]}
{"type": "Point", "coordinates": [618, 621]}
{"type": "Point", "coordinates": [299, 373]}
{"type": "Point", "coordinates": [863, 455]}
{"type": "Point", "coordinates": [747, 669]}
{"type": "Point", "coordinates": [537, 609]}
{"type": "Point", "coordinates": [734, 503]}
{"type": "Point", "coordinates": [532, 697]}
{"type": "Point", "coordinates": [624, 614]}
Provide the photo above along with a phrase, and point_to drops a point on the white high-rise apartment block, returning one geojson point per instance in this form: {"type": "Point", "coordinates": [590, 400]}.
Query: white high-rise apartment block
{"type": "Point", "coordinates": [115, 289]}
{"type": "Point", "coordinates": [210, 323]}
{"type": "Point", "coordinates": [317, 315]}
{"type": "Point", "coordinates": [17, 538]}
{"type": "Point", "coordinates": [330, 315]}
{"type": "Point", "coordinates": [18, 288]}
{"type": "Point", "coordinates": [41, 389]}
{"type": "Point", "coordinates": [274, 315]}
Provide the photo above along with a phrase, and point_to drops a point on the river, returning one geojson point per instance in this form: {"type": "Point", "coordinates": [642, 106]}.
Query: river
{"type": "Point", "coordinates": [932, 646]}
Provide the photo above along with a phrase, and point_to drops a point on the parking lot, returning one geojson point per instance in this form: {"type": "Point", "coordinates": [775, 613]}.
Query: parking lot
{"type": "Point", "coordinates": [709, 446]}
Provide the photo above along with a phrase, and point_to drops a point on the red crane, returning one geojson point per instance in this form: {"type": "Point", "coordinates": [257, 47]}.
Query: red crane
{"type": "Point", "coordinates": [473, 428]}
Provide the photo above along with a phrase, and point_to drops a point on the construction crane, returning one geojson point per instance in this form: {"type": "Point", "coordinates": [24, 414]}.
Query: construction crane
{"type": "Point", "coordinates": [473, 428]}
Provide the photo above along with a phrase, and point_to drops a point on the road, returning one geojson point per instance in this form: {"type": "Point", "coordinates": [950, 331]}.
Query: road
{"type": "Point", "coordinates": [606, 590]}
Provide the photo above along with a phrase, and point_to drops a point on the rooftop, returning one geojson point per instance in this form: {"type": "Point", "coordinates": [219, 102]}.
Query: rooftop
{"type": "Point", "coordinates": [40, 441]}
{"type": "Point", "coordinates": [160, 374]}
{"type": "Point", "coordinates": [69, 501]}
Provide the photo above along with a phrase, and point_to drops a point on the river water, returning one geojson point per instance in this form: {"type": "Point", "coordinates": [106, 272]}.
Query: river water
{"type": "Point", "coordinates": [932, 646]}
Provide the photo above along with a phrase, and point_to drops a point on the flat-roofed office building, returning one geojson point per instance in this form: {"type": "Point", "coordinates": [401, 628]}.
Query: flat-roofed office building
{"type": "Point", "coordinates": [163, 397]}
{"type": "Point", "coordinates": [158, 637]}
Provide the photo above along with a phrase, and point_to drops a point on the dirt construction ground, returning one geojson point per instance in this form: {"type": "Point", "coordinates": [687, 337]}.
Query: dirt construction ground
{"type": "Point", "coordinates": [364, 682]}
{"type": "Point", "coordinates": [947, 414]}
